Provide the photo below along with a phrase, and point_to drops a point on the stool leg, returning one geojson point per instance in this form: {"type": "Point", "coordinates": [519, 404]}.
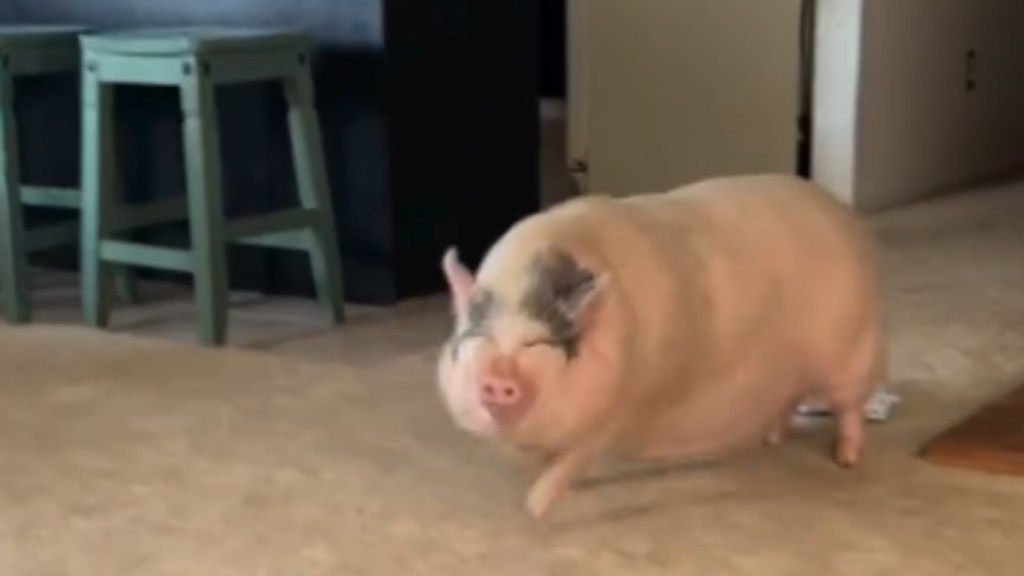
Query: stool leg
{"type": "Point", "coordinates": [206, 218]}
{"type": "Point", "coordinates": [126, 285]}
{"type": "Point", "coordinates": [307, 155]}
{"type": "Point", "coordinates": [98, 164]}
{"type": "Point", "coordinates": [14, 279]}
{"type": "Point", "coordinates": [125, 282]}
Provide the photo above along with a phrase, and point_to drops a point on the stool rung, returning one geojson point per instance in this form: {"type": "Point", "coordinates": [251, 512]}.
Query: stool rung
{"type": "Point", "coordinates": [294, 219]}
{"type": "Point", "coordinates": [51, 197]}
{"type": "Point", "coordinates": [45, 237]}
{"type": "Point", "coordinates": [159, 212]}
{"type": "Point", "coordinates": [146, 256]}
{"type": "Point", "coordinates": [289, 239]}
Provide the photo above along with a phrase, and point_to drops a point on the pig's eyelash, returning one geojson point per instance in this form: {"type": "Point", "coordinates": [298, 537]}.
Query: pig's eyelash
{"type": "Point", "coordinates": [538, 342]}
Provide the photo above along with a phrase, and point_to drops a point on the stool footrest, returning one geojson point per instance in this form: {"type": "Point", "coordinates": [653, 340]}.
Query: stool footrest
{"type": "Point", "coordinates": [51, 197]}
{"type": "Point", "coordinates": [159, 212]}
{"type": "Point", "coordinates": [147, 256]}
{"type": "Point", "coordinates": [52, 236]}
{"type": "Point", "coordinates": [289, 240]}
{"type": "Point", "coordinates": [290, 220]}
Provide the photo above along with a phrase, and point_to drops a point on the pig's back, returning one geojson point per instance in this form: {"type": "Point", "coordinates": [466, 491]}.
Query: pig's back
{"type": "Point", "coordinates": [768, 245]}
{"type": "Point", "coordinates": [773, 283]}
{"type": "Point", "coordinates": [719, 252]}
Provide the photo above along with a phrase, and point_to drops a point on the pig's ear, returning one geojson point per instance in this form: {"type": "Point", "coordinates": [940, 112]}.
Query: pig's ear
{"type": "Point", "coordinates": [460, 279]}
{"type": "Point", "coordinates": [562, 292]}
{"type": "Point", "coordinates": [579, 298]}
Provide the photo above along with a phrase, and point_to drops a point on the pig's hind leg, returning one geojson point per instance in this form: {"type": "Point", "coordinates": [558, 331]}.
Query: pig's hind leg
{"type": "Point", "coordinates": [848, 390]}
{"type": "Point", "coordinates": [782, 425]}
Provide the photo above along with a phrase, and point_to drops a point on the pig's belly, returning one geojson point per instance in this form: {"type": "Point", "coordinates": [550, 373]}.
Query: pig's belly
{"type": "Point", "coordinates": [719, 418]}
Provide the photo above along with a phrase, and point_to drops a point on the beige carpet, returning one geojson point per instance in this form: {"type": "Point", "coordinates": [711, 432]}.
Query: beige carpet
{"type": "Point", "coordinates": [124, 456]}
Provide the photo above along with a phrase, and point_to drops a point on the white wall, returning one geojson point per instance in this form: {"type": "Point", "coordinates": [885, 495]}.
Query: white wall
{"type": "Point", "coordinates": [837, 68]}
{"type": "Point", "coordinates": [908, 127]}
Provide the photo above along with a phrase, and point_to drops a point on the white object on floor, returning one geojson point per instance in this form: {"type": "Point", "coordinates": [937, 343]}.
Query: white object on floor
{"type": "Point", "coordinates": [878, 407]}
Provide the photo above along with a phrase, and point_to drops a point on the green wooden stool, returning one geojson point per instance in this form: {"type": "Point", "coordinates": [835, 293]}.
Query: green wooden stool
{"type": "Point", "coordinates": [196, 60]}
{"type": "Point", "coordinates": [25, 51]}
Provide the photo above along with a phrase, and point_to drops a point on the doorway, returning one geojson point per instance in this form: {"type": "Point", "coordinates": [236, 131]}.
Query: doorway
{"type": "Point", "coordinates": [652, 94]}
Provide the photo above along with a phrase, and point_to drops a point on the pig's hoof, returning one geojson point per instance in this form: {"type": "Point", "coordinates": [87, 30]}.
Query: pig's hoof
{"type": "Point", "coordinates": [847, 462]}
{"type": "Point", "coordinates": [540, 500]}
{"type": "Point", "coordinates": [851, 438]}
{"type": "Point", "coordinates": [847, 456]}
{"type": "Point", "coordinates": [537, 507]}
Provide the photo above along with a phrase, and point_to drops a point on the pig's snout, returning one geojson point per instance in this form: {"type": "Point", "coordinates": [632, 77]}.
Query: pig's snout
{"type": "Point", "coordinates": [501, 393]}
{"type": "Point", "coordinates": [506, 399]}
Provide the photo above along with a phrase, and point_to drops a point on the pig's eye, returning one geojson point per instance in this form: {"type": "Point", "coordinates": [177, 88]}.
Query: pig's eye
{"type": "Point", "coordinates": [538, 342]}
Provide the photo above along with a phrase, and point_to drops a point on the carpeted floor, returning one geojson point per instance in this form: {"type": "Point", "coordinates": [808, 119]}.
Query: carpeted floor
{"type": "Point", "coordinates": [122, 455]}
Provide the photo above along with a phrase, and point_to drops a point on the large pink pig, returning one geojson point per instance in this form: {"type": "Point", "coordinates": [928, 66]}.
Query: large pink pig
{"type": "Point", "coordinates": [679, 325]}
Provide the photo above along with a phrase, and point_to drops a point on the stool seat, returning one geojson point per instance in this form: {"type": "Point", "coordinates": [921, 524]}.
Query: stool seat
{"type": "Point", "coordinates": [40, 49]}
{"type": "Point", "coordinates": [190, 40]}
{"type": "Point", "coordinates": [33, 35]}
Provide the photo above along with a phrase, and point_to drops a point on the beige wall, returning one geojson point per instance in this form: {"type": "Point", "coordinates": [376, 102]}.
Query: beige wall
{"type": "Point", "coordinates": [910, 128]}
{"type": "Point", "coordinates": [664, 92]}
{"type": "Point", "coordinates": [661, 93]}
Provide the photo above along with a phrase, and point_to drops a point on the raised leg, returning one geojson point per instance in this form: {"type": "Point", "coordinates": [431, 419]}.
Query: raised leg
{"type": "Point", "coordinates": [98, 164]}
{"type": "Point", "coordinates": [206, 218]}
{"type": "Point", "coordinates": [14, 279]}
{"type": "Point", "coordinates": [564, 468]}
{"type": "Point", "coordinates": [307, 154]}
{"type": "Point", "coordinates": [556, 479]}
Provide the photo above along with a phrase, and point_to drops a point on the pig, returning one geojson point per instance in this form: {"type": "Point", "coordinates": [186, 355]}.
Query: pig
{"type": "Point", "coordinates": [681, 325]}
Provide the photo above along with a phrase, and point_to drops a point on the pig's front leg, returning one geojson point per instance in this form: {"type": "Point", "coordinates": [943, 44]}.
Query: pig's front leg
{"type": "Point", "coordinates": [558, 477]}
{"type": "Point", "coordinates": [566, 466]}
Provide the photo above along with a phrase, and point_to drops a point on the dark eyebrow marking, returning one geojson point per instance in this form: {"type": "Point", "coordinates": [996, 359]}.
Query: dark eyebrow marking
{"type": "Point", "coordinates": [480, 310]}
{"type": "Point", "coordinates": [558, 286]}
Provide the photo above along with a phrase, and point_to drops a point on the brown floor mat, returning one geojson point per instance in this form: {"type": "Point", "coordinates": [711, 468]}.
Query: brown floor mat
{"type": "Point", "coordinates": [990, 440]}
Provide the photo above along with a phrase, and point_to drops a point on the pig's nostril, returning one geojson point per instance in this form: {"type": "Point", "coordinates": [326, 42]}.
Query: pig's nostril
{"type": "Point", "coordinates": [500, 393]}
{"type": "Point", "coordinates": [505, 401]}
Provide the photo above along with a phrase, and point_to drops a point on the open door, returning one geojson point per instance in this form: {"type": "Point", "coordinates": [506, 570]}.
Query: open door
{"type": "Point", "coordinates": [665, 92]}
